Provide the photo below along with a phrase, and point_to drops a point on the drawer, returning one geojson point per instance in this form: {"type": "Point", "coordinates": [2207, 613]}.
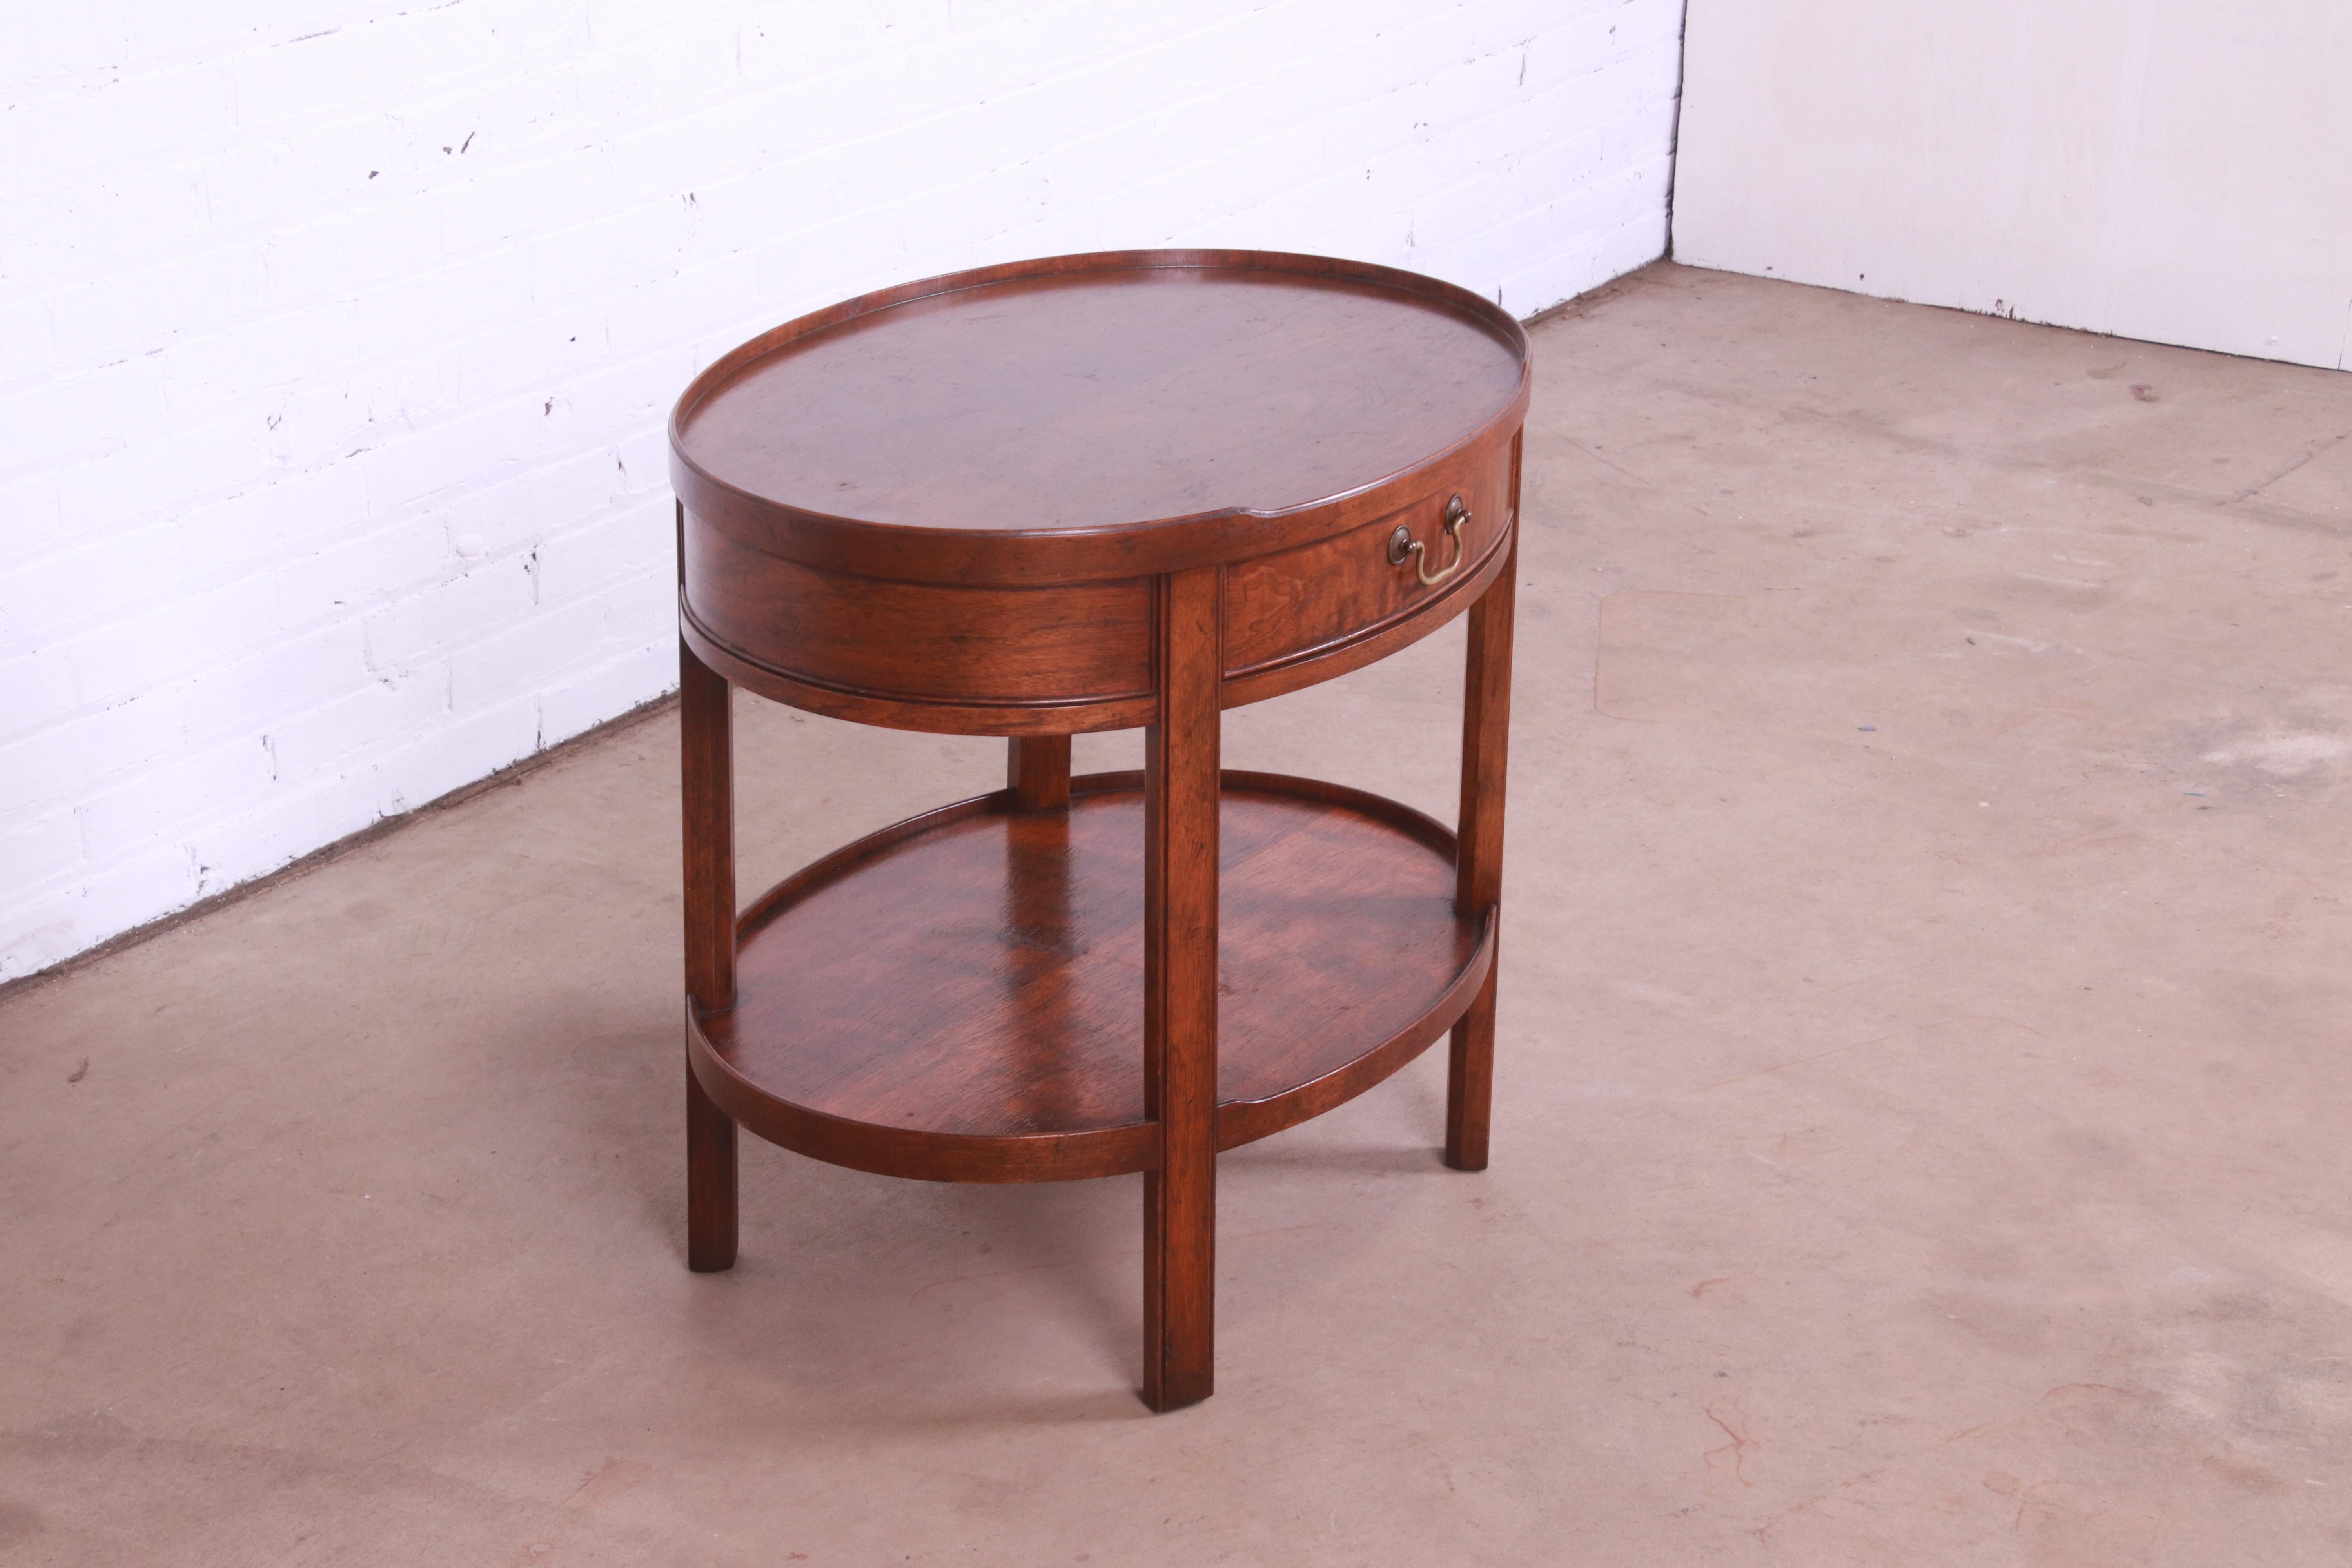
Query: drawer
{"type": "Point", "coordinates": [1320, 598]}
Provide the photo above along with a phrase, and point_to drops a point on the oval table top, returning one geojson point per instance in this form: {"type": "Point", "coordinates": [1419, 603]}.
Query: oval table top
{"type": "Point", "coordinates": [1092, 416]}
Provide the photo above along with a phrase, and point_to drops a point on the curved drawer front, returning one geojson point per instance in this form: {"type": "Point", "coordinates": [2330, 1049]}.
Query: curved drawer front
{"type": "Point", "coordinates": [1299, 605]}
{"type": "Point", "coordinates": [920, 643]}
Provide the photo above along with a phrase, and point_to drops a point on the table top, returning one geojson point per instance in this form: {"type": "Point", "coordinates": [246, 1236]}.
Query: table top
{"type": "Point", "coordinates": [1089, 397]}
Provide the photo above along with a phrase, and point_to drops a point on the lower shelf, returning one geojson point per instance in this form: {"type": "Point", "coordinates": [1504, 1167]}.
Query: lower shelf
{"type": "Point", "coordinates": [961, 997]}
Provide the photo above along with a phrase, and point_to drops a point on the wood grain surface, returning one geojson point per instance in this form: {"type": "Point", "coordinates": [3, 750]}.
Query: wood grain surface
{"type": "Point", "coordinates": [1182, 801]}
{"type": "Point", "coordinates": [1083, 493]}
{"type": "Point", "coordinates": [1037, 772]}
{"type": "Point", "coordinates": [1071, 643]}
{"type": "Point", "coordinates": [1093, 400]}
{"type": "Point", "coordinates": [1478, 877]}
{"type": "Point", "coordinates": [1089, 417]}
{"type": "Point", "coordinates": [706, 801]}
{"type": "Point", "coordinates": [961, 998]}
{"type": "Point", "coordinates": [1298, 603]}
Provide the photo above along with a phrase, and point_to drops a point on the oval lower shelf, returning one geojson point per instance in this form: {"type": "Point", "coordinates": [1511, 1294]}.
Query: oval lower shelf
{"type": "Point", "coordinates": [961, 997]}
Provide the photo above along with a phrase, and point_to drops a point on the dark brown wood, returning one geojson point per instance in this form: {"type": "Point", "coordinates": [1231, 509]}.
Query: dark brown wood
{"type": "Point", "coordinates": [707, 790]}
{"type": "Point", "coordinates": [1059, 497]}
{"type": "Point", "coordinates": [710, 1189]}
{"type": "Point", "coordinates": [1037, 772]}
{"type": "Point", "coordinates": [1300, 604]}
{"type": "Point", "coordinates": [1180, 809]}
{"type": "Point", "coordinates": [1320, 664]}
{"type": "Point", "coordinates": [1079, 716]}
{"type": "Point", "coordinates": [1005, 1048]}
{"type": "Point", "coordinates": [1331, 898]}
{"type": "Point", "coordinates": [1087, 417]}
{"type": "Point", "coordinates": [1486, 742]}
{"type": "Point", "coordinates": [1244, 1122]}
{"type": "Point", "coordinates": [941, 507]}
{"type": "Point", "coordinates": [913, 642]}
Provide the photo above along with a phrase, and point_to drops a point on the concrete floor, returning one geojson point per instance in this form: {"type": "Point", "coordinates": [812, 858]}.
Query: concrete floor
{"type": "Point", "coordinates": [1920, 1135]}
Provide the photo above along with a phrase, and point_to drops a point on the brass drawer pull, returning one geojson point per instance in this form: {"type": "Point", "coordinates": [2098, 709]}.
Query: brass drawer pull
{"type": "Point", "coordinates": [1403, 546]}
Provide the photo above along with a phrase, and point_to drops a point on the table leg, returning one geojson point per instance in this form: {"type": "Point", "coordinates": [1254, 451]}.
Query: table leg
{"type": "Point", "coordinates": [1179, 991]}
{"type": "Point", "coordinates": [1478, 878]}
{"type": "Point", "coordinates": [1037, 771]}
{"type": "Point", "coordinates": [706, 769]}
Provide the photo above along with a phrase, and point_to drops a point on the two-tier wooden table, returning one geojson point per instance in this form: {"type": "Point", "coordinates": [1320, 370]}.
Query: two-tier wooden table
{"type": "Point", "coordinates": [1094, 493]}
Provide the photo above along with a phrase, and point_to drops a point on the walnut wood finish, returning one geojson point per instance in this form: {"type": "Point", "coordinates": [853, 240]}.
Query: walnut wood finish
{"type": "Point", "coordinates": [1181, 801]}
{"type": "Point", "coordinates": [898, 711]}
{"type": "Point", "coordinates": [1312, 600]}
{"type": "Point", "coordinates": [942, 507]}
{"type": "Point", "coordinates": [959, 998]}
{"type": "Point", "coordinates": [706, 747]}
{"type": "Point", "coordinates": [1368, 644]}
{"type": "Point", "coordinates": [1037, 772]}
{"type": "Point", "coordinates": [1442, 603]}
{"type": "Point", "coordinates": [1078, 644]}
{"type": "Point", "coordinates": [1083, 418]}
{"type": "Point", "coordinates": [1486, 740]}
{"type": "Point", "coordinates": [1088, 493]}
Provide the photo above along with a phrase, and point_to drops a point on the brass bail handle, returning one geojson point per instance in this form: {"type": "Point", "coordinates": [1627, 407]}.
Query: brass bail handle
{"type": "Point", "coordinates": [1403, 546]}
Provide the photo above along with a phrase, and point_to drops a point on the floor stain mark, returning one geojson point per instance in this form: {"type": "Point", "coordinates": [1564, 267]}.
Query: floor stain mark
{"type": "Point", "coordinates": [1739, 1446]}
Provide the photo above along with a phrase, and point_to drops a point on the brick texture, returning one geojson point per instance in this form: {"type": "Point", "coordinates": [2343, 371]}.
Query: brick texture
{"type": "Point", "coordinates": [336, 337]}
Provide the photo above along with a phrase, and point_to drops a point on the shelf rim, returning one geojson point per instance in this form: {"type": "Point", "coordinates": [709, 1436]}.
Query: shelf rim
{"type": "Point", "coordinates": [1081, 1153]}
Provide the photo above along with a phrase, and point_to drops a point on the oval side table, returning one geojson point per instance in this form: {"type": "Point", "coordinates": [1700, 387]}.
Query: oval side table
{"type": "Point", "coordinates": [1094, 492]}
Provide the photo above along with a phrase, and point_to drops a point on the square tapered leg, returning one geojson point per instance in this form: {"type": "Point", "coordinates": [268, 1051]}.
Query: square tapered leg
{"type": "Point", "coordinates": [1180, 987]}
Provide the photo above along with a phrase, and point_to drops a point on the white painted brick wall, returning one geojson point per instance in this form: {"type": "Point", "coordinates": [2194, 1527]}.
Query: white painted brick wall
{"type": "Point", "coordinates": [336, 336]}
